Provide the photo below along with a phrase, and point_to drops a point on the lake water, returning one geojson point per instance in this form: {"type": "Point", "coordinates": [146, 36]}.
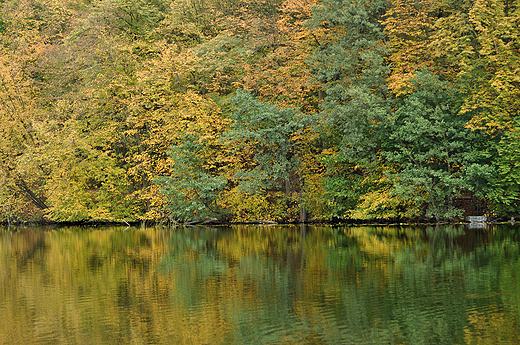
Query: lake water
{"type": "Point", "coordinates": [260, 285]}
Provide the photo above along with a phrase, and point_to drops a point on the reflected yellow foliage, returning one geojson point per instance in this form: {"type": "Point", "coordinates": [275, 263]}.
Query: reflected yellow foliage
{"type": "Point", "coordinates": [307, 284]}
{"type": "Point", "coordinates": [490, 327]}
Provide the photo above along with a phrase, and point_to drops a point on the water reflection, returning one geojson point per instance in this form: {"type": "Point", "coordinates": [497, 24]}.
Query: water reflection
{"type": "Point", "coordinates": [248, 285]}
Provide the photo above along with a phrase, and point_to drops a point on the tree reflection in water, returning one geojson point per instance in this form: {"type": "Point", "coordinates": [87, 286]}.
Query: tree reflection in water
{"type": "Point", "coordinates": [257, 284]}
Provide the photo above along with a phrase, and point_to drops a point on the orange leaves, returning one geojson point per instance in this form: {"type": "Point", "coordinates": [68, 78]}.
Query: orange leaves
{"type": "Point", "coordinates": [295, 13]}
{"type": "Point", "coordinates": [281, 74]}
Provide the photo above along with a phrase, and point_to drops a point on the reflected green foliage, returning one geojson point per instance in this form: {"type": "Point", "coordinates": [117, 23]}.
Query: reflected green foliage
{"type": "Point", "coordinates": [327, 285]}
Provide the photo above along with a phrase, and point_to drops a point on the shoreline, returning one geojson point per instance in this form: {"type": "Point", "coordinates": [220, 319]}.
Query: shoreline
{"type": "Point", "coordinates": [375, 222]}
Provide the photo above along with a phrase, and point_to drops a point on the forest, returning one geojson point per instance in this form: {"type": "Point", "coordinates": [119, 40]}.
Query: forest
{"type": "Point", "coordinates": [275, 110]}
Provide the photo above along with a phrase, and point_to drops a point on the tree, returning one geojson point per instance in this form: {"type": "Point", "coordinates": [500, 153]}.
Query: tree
{"type": "Point", "coordinates": [267, 137]}
{"type": "Point", "coordinates": [194, 175]}
{"type": "Point", "coordinates": [349, 63]}
{"type": "Point", "coordinates": [490, 82]}
{"type": "Point", "coordinates": [192, 190]}
{"type": "Point", "coordinates": [408, 28]}
{"type": "Point", "coordinates": [266, 131]}
{"type": "Point", "coordinates": [505, 187]}
{"type": "Point", "coordinates": [434, 150]}
{"type": "Point", "coordinates": [27, 31]}
{"type": "Point", "coordinates": [279, 73]}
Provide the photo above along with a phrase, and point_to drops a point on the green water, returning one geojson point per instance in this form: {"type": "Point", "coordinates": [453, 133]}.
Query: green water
{"type": "Point", "coordinates": [260, 285]}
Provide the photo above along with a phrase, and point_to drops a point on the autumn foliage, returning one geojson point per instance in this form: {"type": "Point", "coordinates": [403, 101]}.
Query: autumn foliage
{"type": "Point", "coordinates": [284, 110]}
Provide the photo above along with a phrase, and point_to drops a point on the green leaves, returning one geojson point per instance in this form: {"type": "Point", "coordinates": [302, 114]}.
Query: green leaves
{"type": "Point", "coordinates": [94, 93]}
{"type": "Point", "coordinates": [191, 190]}
{"type": "Point", "coordinates": [351, 52]}
{"type": "Point", "coordinates": [432, 147]}
{"type": "Point", "coordinates": [266, 131]}
{"type": "Point", "coordinates": [350, 64]}
{"type": "Point", "coordinates": [505, 191]}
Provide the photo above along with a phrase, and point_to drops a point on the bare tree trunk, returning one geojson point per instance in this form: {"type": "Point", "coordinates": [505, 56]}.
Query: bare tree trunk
{"type": "Point", "coordinates": [24, 188]}
{"type": "Point", "coordinates": [36, 200]}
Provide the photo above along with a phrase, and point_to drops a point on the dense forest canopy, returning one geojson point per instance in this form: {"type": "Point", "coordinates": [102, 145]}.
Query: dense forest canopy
{"type": "Point", "coordinates": [125, 110]}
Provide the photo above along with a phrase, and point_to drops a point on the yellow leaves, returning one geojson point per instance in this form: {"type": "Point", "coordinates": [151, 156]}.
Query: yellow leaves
{"type": "Point", "coordinates": [294, 13]}
{"type": "Point", "coordinates": [484, 13]}
{"type": "Point", "coordinates": [272, 206]}
{"type": "Point", "coordinates": [20, 125]}
{"type": "Point", "coordinates": [408, 26]}
{"type": "Point", "coordinates": [382, 204]}
{"type": "Point", "coordinates": [268, 58]}
{"type": "Point", "coordinates": [472, 45]}
{"type": "Point", "coordinates": [313, 198]}
{"type": "Point", "coordinates": [330, 151]}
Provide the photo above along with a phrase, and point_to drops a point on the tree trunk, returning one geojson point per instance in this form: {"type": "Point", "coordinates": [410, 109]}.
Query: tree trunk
{"type": "Point", "coordinates": [303, 214]}
{"type": "Point", "coordinates": [288, 187]}
{"type": "Point", "coordinates": [36, 200]}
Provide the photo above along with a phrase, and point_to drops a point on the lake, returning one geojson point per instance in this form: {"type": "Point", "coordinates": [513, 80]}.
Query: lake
{"type": "Point", "coordinates": [260, 285]}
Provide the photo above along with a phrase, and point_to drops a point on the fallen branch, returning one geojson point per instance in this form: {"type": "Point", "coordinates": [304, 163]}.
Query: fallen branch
{"type": "Point", "coordinates": [193, 222]}
{"type": "Point", "coordinates": [207, 221]}
{"type": "Point", "coordinates": [165, 215]}
{"type": "Point", "coordinates": [267, 222]}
